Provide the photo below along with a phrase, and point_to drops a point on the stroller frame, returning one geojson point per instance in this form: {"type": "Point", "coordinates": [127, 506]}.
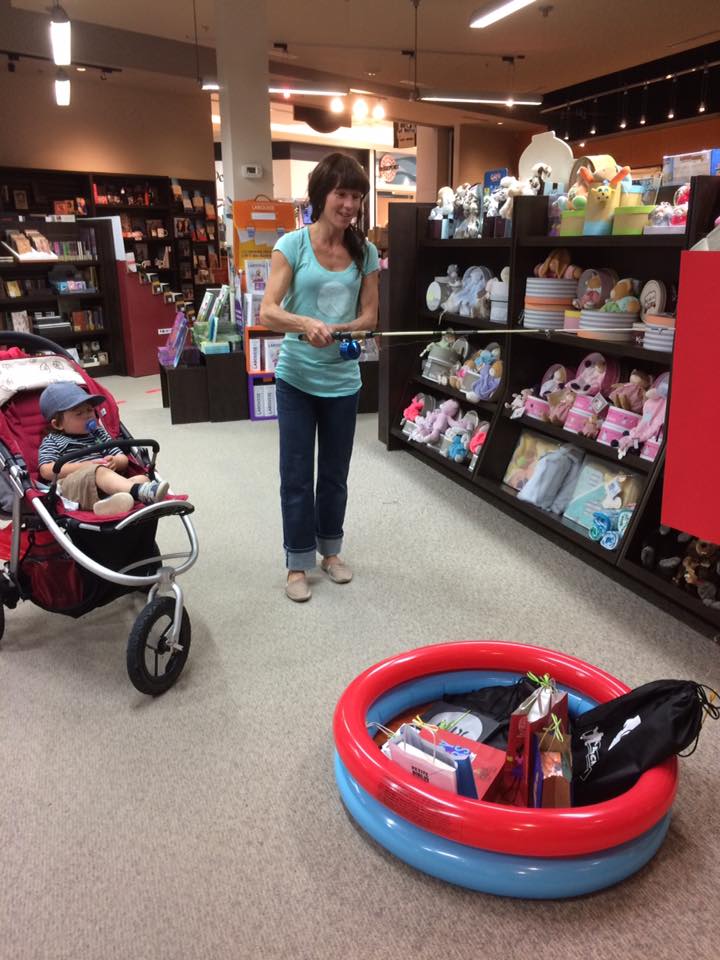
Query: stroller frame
{"type": "Point", "coordinates": [162, 584]}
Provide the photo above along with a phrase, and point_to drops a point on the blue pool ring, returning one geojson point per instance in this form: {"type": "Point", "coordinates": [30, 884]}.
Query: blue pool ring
{"type": "Point", "coordinates": [502, 874]}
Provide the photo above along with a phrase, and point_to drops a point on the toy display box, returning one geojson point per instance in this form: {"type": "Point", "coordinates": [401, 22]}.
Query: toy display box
{"type": "Point", "coordinates": [530, 448]}
{"type": "Point", "coordinates": [572, 223]}
{"type": "Point", "coordinates": [680, 167]}
{"type": "Point", "coordinates": [598, 482]}
{"type": "Point", "coordinates": [631, 220]}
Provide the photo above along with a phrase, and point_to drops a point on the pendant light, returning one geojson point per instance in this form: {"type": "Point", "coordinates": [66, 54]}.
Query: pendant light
{"type": "Point", "coordinates": [60, 36]}
{"type": "Point", "coordinates": [62, 88]}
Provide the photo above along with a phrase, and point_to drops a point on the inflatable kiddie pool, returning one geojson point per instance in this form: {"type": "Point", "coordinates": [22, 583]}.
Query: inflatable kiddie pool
{"type": "Point", "coordinates": [490, 847]}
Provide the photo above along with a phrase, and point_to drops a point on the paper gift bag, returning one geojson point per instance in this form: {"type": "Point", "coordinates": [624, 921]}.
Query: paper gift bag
{"type": "Point", "coordinates": [486, 763]}
{"type": "Point", "coordinates": [427, 762]}
{"type": "Point", "coordinates": [525, 721]}
{"type": "Point", "coordinates": [552, 767]}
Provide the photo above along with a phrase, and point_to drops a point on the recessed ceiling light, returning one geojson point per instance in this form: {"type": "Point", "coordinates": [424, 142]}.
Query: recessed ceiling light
{"type": "Point", "coordinates": [360, 109]}
{"type": "Point", "coordinates": [336, 105]}
{"type": "Point", "coordinates": [81, 69]}
{"type": "Point", "coordinates": [308, 91]}
{"type": "Point", "coordinates": [378, 112]}
{"type": "Point", "coordinates": [215, 117]}
{"type": "Point", "coordinates": [500, 123]}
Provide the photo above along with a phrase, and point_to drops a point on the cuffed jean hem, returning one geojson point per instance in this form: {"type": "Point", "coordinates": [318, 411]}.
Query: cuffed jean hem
{"type": "Point", "coordinates": [329, 546]}
{"type": "Point", "coordinates": [300, 559]}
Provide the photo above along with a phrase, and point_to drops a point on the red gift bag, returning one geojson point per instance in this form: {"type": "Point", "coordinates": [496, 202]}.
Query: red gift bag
{"type": "Point", "coordinates": [531, 716]}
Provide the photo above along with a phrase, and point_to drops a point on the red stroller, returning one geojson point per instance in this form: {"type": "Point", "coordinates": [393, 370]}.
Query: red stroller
{"type": "Point", "coordinates": [70, 561]}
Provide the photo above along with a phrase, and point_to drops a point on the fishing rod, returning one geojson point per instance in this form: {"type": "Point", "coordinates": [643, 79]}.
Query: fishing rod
{"type": "Point", "coordinates": [351, 348]}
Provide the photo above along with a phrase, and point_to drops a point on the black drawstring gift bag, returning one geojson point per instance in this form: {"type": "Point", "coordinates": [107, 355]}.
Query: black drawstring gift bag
{"type": "Point", "coordinates": [619, 740]}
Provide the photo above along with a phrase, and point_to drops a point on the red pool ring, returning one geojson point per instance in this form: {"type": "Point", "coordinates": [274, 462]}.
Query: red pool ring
{"type": "Point", "coordinates": [491, 826]}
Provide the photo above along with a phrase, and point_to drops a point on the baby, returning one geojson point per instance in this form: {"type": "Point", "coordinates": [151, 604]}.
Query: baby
{"type": "Point", "coordinates": [95, 482]}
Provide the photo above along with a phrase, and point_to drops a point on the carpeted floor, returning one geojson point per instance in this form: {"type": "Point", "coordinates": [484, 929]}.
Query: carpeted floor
{"type": "Point", "coordinates": [205, 825]}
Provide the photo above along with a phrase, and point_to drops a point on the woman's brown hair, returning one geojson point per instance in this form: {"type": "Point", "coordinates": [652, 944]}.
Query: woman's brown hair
{"type": "Point", "coordinates": [338, 171]}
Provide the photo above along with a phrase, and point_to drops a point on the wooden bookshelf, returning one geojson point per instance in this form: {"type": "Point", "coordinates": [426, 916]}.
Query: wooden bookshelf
{"type": "Point", "coordinates": [105, 299]}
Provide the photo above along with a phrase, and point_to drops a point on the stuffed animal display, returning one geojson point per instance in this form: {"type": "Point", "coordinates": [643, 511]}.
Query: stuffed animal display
{"type": "Point", "coordinates": [651, 423]}
{"type": "Point", "coordinates": [688, 563]}
{"type": "Point", "coordinates": [623, 298]}
{"type": "Point", "coordinates": [429, 429]}
{"type": "Point", "coordinates": [631, 395]}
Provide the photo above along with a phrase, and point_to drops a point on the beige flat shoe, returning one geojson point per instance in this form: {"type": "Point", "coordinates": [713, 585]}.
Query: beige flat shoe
{"type": "Point", "coordinates": [298, 590]}
{"type": "Point", "coordinates": [338, 571]}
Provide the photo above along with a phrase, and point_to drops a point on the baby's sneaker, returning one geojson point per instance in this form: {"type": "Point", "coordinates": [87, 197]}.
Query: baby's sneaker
{"type": "Point", "coordinates": [114, 504]}
{"type": "Point", "coordinates": [153, 491]}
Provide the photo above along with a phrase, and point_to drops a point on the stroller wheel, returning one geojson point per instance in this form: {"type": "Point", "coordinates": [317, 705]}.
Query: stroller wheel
{"type": "Point", "coordinates": [152, 665]}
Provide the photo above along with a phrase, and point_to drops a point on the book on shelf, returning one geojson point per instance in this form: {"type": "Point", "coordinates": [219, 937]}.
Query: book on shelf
{"type": "Point", "coordinates": [182, 226]}
{"type": "Point", "coordinates": [63, 207]}
{"type": "Point", "coordinates": [186, 201]}
{"type": "Point", "coordinates": [255, 355]}
{"type": "Point", "coordinates": [212, 257]}
{"type": "Point", "coordinates": [210, 209]}
{"type": "Point", "coordinates": [29, 255]}
{"type": "Point", "coordinates": [81, 206]}
{"type": "Point", "coordinates": [156, 228]}
{"type": "Point", "coordinates": [39, 242]}
{"type": "Point", "coordinates": [210, 227]}
{"type": "Point", "coordinates": [271, 351]}
{"type": "Point", "coordinates": [12, 288]}
{"type": "Point", "coordinates": [176, 190]}
{"type": "Point", "coordinates": [198, 203]}
{"type": "Point", "coordinates": [257, 271]}
{"type": "Point", "coordinates": [20, 321]}
{"type": "Point", "coordinates": [200, 233]}
{"type": "Point", "coordinates": [87, 320]}
{"type": "Point", "coordinates": [206, 305]}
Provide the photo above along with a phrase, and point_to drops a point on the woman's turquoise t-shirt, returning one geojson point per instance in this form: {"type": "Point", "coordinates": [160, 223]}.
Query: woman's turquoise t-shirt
{"type": "Point", "coordinates": [328, 295]}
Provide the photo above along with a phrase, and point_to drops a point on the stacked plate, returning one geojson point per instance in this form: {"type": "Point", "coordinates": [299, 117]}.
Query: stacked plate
{"type": "Point", "coordinates": [546, 301]}
{"type": "Point", "coordinates": [617, 327]}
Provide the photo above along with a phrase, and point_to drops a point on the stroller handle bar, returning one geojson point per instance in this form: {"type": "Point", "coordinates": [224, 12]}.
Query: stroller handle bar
{"type": "Point", "coordinates": [31, 341]}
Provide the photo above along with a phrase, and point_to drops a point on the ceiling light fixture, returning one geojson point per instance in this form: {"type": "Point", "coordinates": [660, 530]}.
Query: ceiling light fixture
{"type": "Point", "coordinates": [336, 105]}
{"type": "Point", "coordinates": [81, 69]}
{"type": "Point", "coordinates": [623, 110]}
{"type": "Point", "coordinates": [210, 85]}
{"type": "Point", "coordinates": [378, 112]}
{"type": "Point", "coordinates": [62, 89]}
{"type": "Point", "coordinates": [486, 17]}
{"type": "Point", "coordinates": [671, 110]}
{"type": "Point", "coordinates": [521, 100]}
{"type": "Point", "coordinates": [306, 91]}
{"type": "Point", "coordinates": [702, 106]}
{"type": "Point", "coordinates": [60, 36]}
{"type": "Point", "coordinates": [360, 109]}
{"type": "Point", "coordinates": [643, 106]}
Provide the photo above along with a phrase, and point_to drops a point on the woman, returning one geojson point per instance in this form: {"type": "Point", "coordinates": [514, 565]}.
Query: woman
{"type": "Point", "coordinates": [323, 279]}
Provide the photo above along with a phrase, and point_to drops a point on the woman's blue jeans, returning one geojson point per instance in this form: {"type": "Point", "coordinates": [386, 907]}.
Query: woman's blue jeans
{"type": "Point", "coordinates": [313, 513]}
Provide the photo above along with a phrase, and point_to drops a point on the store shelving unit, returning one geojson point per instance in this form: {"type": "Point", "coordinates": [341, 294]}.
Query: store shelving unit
{"type": "Point", "coordinates": [105, 297]}
{"type": "Point", "coordinates": [199, 259]}
{"type": "Point", "coordinates": [415, 261]}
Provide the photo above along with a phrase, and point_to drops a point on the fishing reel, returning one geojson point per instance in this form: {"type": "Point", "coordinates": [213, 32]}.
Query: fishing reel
{"type": "Point", "coordinates": [350, 344]}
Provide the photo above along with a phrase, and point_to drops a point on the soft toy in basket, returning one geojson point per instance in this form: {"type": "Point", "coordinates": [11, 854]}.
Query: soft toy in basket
{"type": "Point", "coordinates": [71, 560]}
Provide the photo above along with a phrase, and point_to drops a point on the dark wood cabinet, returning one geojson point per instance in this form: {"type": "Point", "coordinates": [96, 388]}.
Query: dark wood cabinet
{"type": "Point", "coordinates": [415, 261]}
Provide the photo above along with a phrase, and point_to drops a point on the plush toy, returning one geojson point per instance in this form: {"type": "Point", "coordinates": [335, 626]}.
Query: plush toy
{"type": "Point", "coordinates": [540, 173]}
{"type": "Point", "coordinates": [458, 450]}
{"type": "Point", "coordinates": [661, 215]}
{"type": "Point", "coordinates": [698, 570]}
{"type": "Point", "coordinates": [681, 202]}
{"type": "Point", "coordinates": [653, 419]}
{"type": "Point", "coordinates": [663, 549]}
{"type": "Point", "coordinates": [479, 437]}
{"type": "Point", "coordinates": [590, 375]}
{"type": "Point", "coordinates": [623, 297]}
{"type": "Point", "coordinates": [488, 367]}
{"type": "Point", "coordinates": [557, 266]}
{"type": "Point", "coordinates": [556, 382]}
{"type": "Point", "coordinates": [414, 409]}
{"type": "Point", "coordinates": [445, 204]}
{"type": "Point", "coordinates": [513, 188]}
{"type": "Point", "coordinates": [592, 298]}
{"type": "Point", "coordinates": [631, 395]}
{"type": "Point", "coordinates": [517, 405]}
{"type": "Point", "coordinates": [469, 228]}
{"type": "Point", "coordinates": [429, 429]}
{"type": "Point", "coordinates": [588, 382]}
{"type": "Point", "coordinates": [591, 427]}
